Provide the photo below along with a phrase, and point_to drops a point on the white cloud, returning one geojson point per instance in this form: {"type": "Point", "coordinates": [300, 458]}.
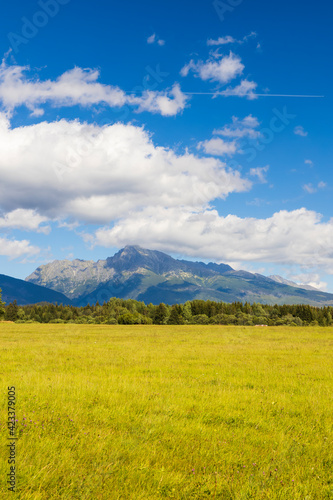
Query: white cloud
{"type": "Point", "coordinates": [299, 130]}
{"type": "Point", "coordinates": [309, 162]}
{"type": "Point", "coordinates": [13, 248]}
{"type": "Point", "coordinates": [222, 40]}
{"type": "Point", "coordinates": [151, 38]}
{"type": "Point", "coordinates": [79, 87]}
{"type": "Point", "coordinates": [245, 89]}
{"type": "Point", "coordinates": [76, 86]}
{"type": "Point", "coordinates": [160, 102]}
{"type": "Point", "coordinates": [309, 188]}
{"type": "Point", "coordinates": [312, 279]}
{"type": "Point", "coordinates": [240, 128]}
{"type": "Point", "coordinates": [37, 112]}
{"type": "Point", "coordinates": [236, 130]}
{"type": "Point", "coordinates": [26, 220]}
{"type": "Point", "coordinates": [154, 39]}
{"type": "Point", "coordinates": [297, 237]}
{"type": "Point", "coordinates": [222, 71]}
{"type": "Point", "coordinates": [260, 172]}
{"type": "Point", "coordinates": [253, 34]}
{"type": "Point", "coordinates": [218, 147]}
{"type": "Point", "coordinates": [68, 225]}
{"type": "Point", "coordinates": [99, 174]}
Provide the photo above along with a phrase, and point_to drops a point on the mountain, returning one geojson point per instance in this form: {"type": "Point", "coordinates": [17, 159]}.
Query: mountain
{"type": "Point", "coordinates": [152, 276]}
{"type": "Point", "coordinates": [28, 293]}
{"type": "Point", "coordinates": [79, 278]}
{"type": "Point", "coordinates": [284, 281]}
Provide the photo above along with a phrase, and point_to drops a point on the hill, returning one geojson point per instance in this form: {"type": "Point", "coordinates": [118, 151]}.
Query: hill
{"type": "Point", "coordinates": [28, 293]}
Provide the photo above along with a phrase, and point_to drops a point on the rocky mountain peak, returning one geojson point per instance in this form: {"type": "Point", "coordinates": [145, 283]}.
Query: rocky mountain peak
{"type": "Point", "coordinates": [133, 257]}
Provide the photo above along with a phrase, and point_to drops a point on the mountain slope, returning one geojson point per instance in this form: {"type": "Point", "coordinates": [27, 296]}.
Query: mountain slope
{"type": "Point", "coordinates": [28, 293]}
{"type": "Point", "coordinates": [153, 276]}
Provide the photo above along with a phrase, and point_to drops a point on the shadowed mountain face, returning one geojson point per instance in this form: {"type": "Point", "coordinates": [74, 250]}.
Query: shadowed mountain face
{"type": "Point", "coordinates": [153, 276]}
{"type": "Point", "coordinates": [28, 293]}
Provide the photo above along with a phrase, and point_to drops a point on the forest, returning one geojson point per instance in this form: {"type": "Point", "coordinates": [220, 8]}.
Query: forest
{"type": "Point", "coordinates": [201, 312]}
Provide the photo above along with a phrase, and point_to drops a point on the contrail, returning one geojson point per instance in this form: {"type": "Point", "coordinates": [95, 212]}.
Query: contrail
{"type": "Point", "coordinates": [218, 93]}
{"type": "Point", "coordinates": [254, 95]}
{"type": "Point", "coordinates": [287, 95]}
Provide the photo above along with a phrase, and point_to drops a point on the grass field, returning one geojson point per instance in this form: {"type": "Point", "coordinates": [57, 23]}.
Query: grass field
{"type": "Point", "coordinates": [155, 412]}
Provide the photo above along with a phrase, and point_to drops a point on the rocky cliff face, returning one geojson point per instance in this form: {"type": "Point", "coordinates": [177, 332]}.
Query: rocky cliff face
{"type": "Point", "coordinates": [73, 278]}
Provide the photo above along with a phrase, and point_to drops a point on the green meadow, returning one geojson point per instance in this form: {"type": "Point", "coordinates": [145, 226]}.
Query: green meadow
{"type": "Point", "coordinates": [153, 412]}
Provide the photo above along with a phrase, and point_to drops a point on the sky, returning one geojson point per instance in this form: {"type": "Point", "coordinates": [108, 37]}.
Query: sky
{"type": "Point", "coordinates": [199, 128]}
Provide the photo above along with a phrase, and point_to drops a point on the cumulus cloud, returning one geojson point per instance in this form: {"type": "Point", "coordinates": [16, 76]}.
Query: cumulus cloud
{"type": "Point", "coordinates": [218, 147]}
{"type": "Point", "coordinates": [299, 130]}
{"type": "Point", "coordinates": [236, 130]}
{"type": "Point", "coordinates": [223, 70]}
{"type": "Point", "coordinates": [245, 89]}
{"type": "Point", "coordinates": [159, 102]}
{"type": "Point", "coordinates": [26, 220]}
{"type": "Point", "coordinates": [98, 174]}
{"type": "Point", "coordinates": [240, 128]}
{"type": "Point", "coordinates": [260, 172]}
{"type": "Point", "coordinates": [298, 237]}
{"type": "Point", "coordinates": [79, 87]}
{"type": "Point", "coordinates": [13, 249]}
{"type": "Point", "coordinates": [308, 162]}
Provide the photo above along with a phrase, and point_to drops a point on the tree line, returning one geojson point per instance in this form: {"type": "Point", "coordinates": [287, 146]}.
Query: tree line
{"type": "Point", "coordinates": [202, 312]}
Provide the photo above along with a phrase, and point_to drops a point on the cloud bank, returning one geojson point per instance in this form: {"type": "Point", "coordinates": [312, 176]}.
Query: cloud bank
{"type": "Point", "coordinates": [298, 237]}
{"type": "Point", "coordinates": [80, 87]}
{"type": "Point", "coordinates": [98, 174]}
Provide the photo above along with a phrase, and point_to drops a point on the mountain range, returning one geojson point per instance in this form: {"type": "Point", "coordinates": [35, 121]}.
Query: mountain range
{"type": "Point", "coordinates": [153, 276]}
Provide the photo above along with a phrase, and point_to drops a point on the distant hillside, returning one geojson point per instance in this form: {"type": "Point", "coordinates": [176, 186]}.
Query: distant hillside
{"type": "Point", "coordinates": [28, 293]}
{"type": "Point", "coordinates": [155, 277]}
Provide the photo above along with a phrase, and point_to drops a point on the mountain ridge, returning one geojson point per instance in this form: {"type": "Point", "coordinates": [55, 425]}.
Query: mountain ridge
{"type": "Point", "coordinates": [153, 276]}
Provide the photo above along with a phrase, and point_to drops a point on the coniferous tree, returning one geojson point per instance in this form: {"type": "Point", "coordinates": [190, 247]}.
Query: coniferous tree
{"type": "Point", "coordinates": [12, 311]}
{"type": "Point", "coordinates": [161, 314]}
{"type": "Point", "coordinates": [2, 306]}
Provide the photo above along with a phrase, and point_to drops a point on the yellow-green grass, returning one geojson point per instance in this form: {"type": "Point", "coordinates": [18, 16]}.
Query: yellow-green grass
{"type": "Point", "coordinates": [154, 412]}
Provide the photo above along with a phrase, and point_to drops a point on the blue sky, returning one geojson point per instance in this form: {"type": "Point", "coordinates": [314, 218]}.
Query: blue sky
{"type": "Point", "coordinates": [168, 125]}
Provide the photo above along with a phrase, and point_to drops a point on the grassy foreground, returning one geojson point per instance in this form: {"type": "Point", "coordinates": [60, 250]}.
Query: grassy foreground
{"type": "Point", "coordinates": [154, 412]}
